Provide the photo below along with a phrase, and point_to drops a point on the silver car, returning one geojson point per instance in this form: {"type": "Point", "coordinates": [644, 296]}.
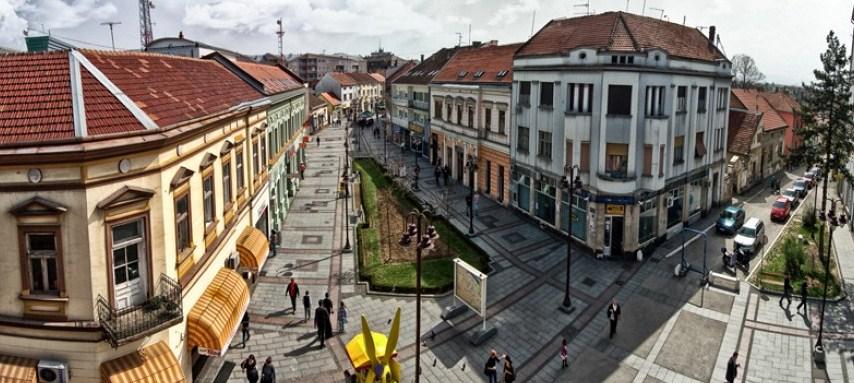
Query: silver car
{"type": "Point", "coordinates": [792, 195]}
{"type": "Point", "coordinates": [751, 236]}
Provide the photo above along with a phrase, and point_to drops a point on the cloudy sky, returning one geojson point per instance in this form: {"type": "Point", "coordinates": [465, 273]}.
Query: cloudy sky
{"type": "Point", "coordinates": [785, 37]}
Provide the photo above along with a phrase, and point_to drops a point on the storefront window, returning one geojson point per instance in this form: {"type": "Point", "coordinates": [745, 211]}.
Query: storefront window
{"type": "Point", "coordinates": [579, 215]}
{"type": "Point", "coordinates": [674, 207]}
{"type": "Point", "coordinates": [694, 197]}
{"type": "Point", "coordinates": [523, 192]}
{"type": "Point", "coordinates": [648, 215]}
{"type": "Point", "coordinates": [546, 203]}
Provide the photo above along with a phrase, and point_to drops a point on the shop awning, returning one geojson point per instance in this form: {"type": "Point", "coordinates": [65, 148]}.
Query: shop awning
{"type": "Point", "coordinates": [15, 369]}
{"type": "Point", "coordinates": [153, 364]}
{"type": "Point", "coordinates": [214, 318]}
{"type": "Point", "coordinates": [253, 247]}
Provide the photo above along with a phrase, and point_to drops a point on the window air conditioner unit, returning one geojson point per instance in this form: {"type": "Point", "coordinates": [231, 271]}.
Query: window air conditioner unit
{"type": "Point", "coordinates": [53, 371]}
{"type": "Point", "coordinates": [669, 201]}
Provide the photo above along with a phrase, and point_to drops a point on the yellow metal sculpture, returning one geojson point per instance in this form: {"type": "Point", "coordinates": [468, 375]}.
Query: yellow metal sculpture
{"type": "Point", "coordinates": [373, 354]}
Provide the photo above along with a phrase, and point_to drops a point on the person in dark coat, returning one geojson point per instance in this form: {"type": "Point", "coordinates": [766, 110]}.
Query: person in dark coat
{"type": "Point", "coordinates": [249, 365]}
{"type": "Point", "coordinates": [244, 329]}
{"type": "Point", "coordinates": [306, 304]}
{"type": "Point", "coordinates": [491, 368]}
{"type": "Point", "coordinates": [446, 173]}
{"type": "Point", "coordinates": [436, 174]}
{"type": "Point", "coordinates": [268, 372]}
{"type": "Point", "coordinates": [274, 240]}
{"type": "Point", "coordinates": [732, 368]}
{"type": "Point", "coordinates": [509, 371]}
{"type": "Point", "coordinates": [787, 292]}
{"type": "Point", "coordinates": [293, 293]}
{"type": "Point", "coordinates": [803, 303]}
{"type": "Point", "coordinates": [317, 139]}
{"type": "Point", "coordinates": [327, 304]}
{"type": "Point", "coordinates": [613, 317]}
{"type": "Point", "coordinates": [322, 323]}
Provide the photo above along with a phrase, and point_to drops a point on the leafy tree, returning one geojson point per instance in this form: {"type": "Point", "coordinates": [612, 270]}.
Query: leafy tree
{"type": "Point", "coordinates": [794, 256]}
{"type": "Point", "coordinates": [747, 74]}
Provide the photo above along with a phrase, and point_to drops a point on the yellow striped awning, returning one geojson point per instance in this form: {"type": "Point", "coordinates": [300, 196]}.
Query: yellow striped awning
{"type": "Point", "coordinates": [15, 369]}
{"type": "Point", "coordinates": [216, 315]}
{"type": "Point", "coordinates": [153, 364]}
{"type": "Point", "coordinates": [253, 248]}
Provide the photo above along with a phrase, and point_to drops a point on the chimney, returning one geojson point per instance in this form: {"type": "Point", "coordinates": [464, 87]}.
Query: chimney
{"type": "Point", "coordinates": [476, 44]}
{"type": "Point", "coordinates": [422, 57]}
{"type": "Point", "coordinates": [180, 34]}
{"type": "Point", "coordinates": [712, 35]}
{"type": "Point", "coordinates": [490, 43]}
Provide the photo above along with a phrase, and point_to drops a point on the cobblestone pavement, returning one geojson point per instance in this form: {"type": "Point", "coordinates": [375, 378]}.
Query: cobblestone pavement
{"type": "Point", "coordinates": [672, 329]}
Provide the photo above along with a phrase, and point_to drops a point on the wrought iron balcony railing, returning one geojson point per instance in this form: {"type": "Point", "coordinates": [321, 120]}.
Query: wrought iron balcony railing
{"type": "Point", "coordinates": [161, 311]}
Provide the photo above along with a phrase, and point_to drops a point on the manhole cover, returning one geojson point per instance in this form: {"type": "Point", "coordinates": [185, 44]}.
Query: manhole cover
{"type": "Point", "coordinates": [588, 282]}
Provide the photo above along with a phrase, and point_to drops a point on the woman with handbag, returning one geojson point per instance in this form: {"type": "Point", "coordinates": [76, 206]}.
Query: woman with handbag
{"type": "Point", "coordinates": [509, 371]}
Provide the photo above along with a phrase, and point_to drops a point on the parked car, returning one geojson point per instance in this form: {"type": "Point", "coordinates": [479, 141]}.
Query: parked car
{"type": "Point", "coordinates": [781, 208]}
{"type": "Point", "coordinates": [811, 178]}
{"type": "Point", "coordinates": [751, 236]}
{"type": "Point", "coordinates": [800, 186]}
{"type": "Point", "coordinates": [731, 219]}
{"type": "Point", "coordinates": [793, 196]}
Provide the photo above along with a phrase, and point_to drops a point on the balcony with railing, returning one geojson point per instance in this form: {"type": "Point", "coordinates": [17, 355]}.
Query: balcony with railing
{"type": "Point", "coordinates": [161, 311]}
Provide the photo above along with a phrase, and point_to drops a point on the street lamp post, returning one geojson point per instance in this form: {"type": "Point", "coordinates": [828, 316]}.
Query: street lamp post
{"type": "Point", "coordinates": [346, 180]}
{"type": "Point", "coordinates": [471, 166]}
{"type": "Point", "coordinates": [571, 183]}
{"type": "Point", "coordinates": [830, 226]}
{"type": "Point", "coordinates": [422, 242]}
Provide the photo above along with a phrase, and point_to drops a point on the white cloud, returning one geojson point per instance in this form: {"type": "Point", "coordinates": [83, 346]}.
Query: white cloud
{"type": "Point", "coordinates": [454, 19]}
{"type": "Point", "coordinates": [509, 13]}
{"type": "Point", "coordinates": [65, 13]}
{"type": "Point", "coordinates": [11, 24]}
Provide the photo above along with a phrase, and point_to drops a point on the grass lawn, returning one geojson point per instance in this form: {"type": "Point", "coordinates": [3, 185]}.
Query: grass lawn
{"type": "Point", "coordinates": [396, 272]}
{"type": "Point", "coordinates": [811, 268]}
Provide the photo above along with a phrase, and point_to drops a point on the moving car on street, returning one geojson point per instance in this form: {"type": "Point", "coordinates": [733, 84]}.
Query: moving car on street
{"type": "Point", "coordinates": [732, 217]}
{"type": "Point", "coordinates": [800, 186]}
{"type": "Point", "coordinates": [751, 236]}
{"type": "Point", "coordinates": [793, 196]}
{"type": "Point", "coordinates": [781, 208]}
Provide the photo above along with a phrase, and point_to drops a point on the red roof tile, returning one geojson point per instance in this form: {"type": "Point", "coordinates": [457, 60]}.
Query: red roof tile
{"type": "Point", "coordinates": [104, 113]}
{"type": "Point", "coordinates": [380, 78]}
{"type": "Point", "coordinates": [742, 128]}
{"type": "Point", "coordinates": [753, 101]}
{"type": "Point", "coordinates": [619, 31]}
{"type": "Point", "coordinates": [486, 62]}
{"type": "Point", "coordinates": [330, 98]}
{"type": "Point", "coordinates": [426, 70]}
{"type": "Point", "coordinates": [274, 79]}
{"type": "Point", "coordinates": [343, 78]}
{"type": "Point", "coordinates": [315, 102]}
{"type": "Point", "coordinates": [173, 89]}
{"type": "Point", "coordinates": [782, 101]}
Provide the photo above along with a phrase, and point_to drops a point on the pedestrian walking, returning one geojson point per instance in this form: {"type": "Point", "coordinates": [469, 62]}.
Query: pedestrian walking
{"type": "Point", "coordinates": [268, 372]}
{"type": "Point", "coordinates": [564, 354]}
{"type": "Point", "coordinates": [437, 172]}
{"type": "Point", "coordinates": [732, 368]}
{"type": "Point", "coordinates": [317, 139]}
{"type": "Point", "coordinates": [613, 317]}
{"type": "Point", "coordinates": [274, 241]}
{"type": "Point", "coordinates": [306, 304]}
{"type": "Point", "coordinates": [509, 371]}
{"type": "Point", "coordinates": [244, 329]}
{"type": "Point", "coordinates": [787, 292]}
{"type": "Point", "coordinates": [302, 170]}
{"type": "Point", "coordinates": [446, 173]}
{"type": "Point", "coordinates": [327, 304]}
{"type": "Point", "coordinates": [803, 303]}
{"type": "Point", "coordinates": [490, 369]}
{"type": "Point", "coordinates": [322, 324]}
{"type": "Point", "coordinates": [342, 316]}
{"type": "Point", "coordinates": [293, 293]}
{"type": "Point", "coordinates": [249, 365]}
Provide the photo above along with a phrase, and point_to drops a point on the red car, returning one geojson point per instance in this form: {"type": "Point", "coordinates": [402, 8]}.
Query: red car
{"type": "Point", "coordinates": [780, 209]}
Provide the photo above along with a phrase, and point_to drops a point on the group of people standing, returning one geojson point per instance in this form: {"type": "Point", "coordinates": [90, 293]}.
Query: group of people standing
{"type": "Point", "coordinates": [322, 314]}
{"type": "Point", "coordinates": [268, 372]}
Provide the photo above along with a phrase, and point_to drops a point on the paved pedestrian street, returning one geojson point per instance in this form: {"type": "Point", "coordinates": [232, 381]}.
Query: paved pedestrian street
{"type": "Point", "coordinates": [672, 329]}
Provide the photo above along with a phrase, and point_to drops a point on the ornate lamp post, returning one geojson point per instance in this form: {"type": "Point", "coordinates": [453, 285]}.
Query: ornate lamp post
{"type": "Point", "coordinates": [831, 225]}
{"type": "Point", "coordinates": [471, 166]}
{"type": "Point", "coordinates": [424, 239]}
{"type": "Point", "coordinates": [572, 184]}
{"type": "Point", "coordinates": [345, 179]}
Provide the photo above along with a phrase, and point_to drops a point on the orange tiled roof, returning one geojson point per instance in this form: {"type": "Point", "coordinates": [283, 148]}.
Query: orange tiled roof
{"type": "Point", "coordinates": [274, 79]}
{"type": "Point", "coordinates": [378, 77]}
{"type": "Point", "coordinates": [621, 32]}
{"type": "Point", "coordinates": [36, 102]}
{"type": "Point", "coordinates": [752, 100]}
{"type": "Point", "coordinates": [173, 89]}
{"type": "Point", "coordinates": [426, 70]}
{"type": "Point", "coordinates": [742, 127]}
{"type": "Point", "coordinates": [343, 78]}
{"type": "Point", "coordinates": [782, 101]}
{"type": "Point", "coordinates": [315, 101]}
{"type": "Point", "coordinates": [330, 98]}
{"type": "Point", "coordinates": [485, 62]}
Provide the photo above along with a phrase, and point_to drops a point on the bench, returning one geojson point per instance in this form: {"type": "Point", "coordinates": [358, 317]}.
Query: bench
{"type": "Point", "coordinates": [767, 279]}
{"type": "Point", "coordinates": [724, 281]}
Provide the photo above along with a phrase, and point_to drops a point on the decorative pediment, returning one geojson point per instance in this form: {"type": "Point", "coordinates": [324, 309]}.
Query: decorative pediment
{"type": "Point", "coordinates": [181, 176]}
{"type": "Point", "coordinates": [126, 195]}
{"type": "Point", "coordinates": [226, 147]}
{"type": "Point", "coordinates": [207, 161]}
{"type": "Point", "coordinates": [37, 206]}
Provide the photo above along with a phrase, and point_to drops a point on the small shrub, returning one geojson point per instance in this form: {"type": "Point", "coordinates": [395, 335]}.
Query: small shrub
{"type": "Point", "coordinates": [794, 255]}
{"type": "Point", "coordinates": [809, 220]}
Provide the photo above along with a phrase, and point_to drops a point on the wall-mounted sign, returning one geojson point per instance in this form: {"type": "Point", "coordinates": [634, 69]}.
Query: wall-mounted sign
{"type": "Point", "coordinates": [615, 209]}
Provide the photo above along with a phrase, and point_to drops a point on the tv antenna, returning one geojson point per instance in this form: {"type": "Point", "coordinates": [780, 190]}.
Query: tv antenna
{"type": "Point", "coordinates": [660, 16]}
{"type": "Point", "coordinates": [281, 33]}
{"type": "Point", "coordinates": [586, 7]}
{"type": "Point", "coordinates": [110, 24]}
{"type": "Point", "coordinates": [643, 11]}
{"type": "Point", "coordinates": [459, 39]}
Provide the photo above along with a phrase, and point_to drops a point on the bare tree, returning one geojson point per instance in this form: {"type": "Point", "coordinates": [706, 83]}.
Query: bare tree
{"type": "Point", "coordinates": [746, 72]}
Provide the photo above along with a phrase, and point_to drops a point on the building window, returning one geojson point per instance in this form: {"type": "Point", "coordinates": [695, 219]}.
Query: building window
{"type": "Point", "coordinates": [128, 247]}
{"type": "Point", "coordinates": [674, 207]}
{"type": "Point", "coordinates": [43, 252]}
{"type": "Point", "coordinates": [459, 114]}
{"type": "Point", "coordinates": [678, 150]}
{"type": "Point", "coordinates": [523, 141]}
{"type": "Point", "coordinates": [620, 100]}
{"type": "Point", "coordinates": [567, 155]}
{"type": "Point", "coordinates": [437, 110]}
{"type": "Point", "coordinates": [501, 122]}
{"type": "Point", "coordinates": [208, 199]}
{"type": "Point", "coordinates": [579, 215]}
{"type": "Point", "coordinates": [488, 180]}
{"type": "Point", "coordinates": [544, 150]}
{"type": "Point", "coordinates": [617, 160]}
{"type": "Point", "coordinates": [238, 165]}
{"type": "Point", "coordinates": [700, 145]}
{"type": "Point", "coordinates": [471, 116]}
{"type": "Point", "coordinates": [584, 160]}
{"type": "Point", "coordinates": [647, 160]}
{"type": "Point", "coordinates": [183, 224]}
{"type": "Point", "coordinates": [525, 93]}
{"type": "Point", "coordinates": [681, 99]}
{"type": "Point", "coordinates": [722, 98]}
{"type": "Point", "coordinates": [263, 157]}
{"type": "Point", "coordinates": [661, 161]}
{"type": "Point", "coordinates": [579, 98]}
{"type": "Point", "coordinates": [654, 101]}
{"type": "Point", "coordinates": [648, 219]}
{"type": "Point", "coordinates": [226, 183]}
{"type": "Point", "coordinates": [256, 165]}
{"type": "Point", "coordinates": [500, 183]}
{"type": "Point", "coordinates": [719, 140]}
{"type": "Point", "coordinates": [547, 93]}
{"type": "Point", "coordinates": [487, 118]}
{"type": "Point", "coordinates": [702, 100]}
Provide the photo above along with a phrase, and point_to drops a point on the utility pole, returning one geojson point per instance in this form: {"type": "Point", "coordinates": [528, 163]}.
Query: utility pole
{"type": "Point", "coordinates": [280, 33]}
{"type": "Point", "coordinates": [146, 35]}
{"type": "Point", "coordinates": [110, 24]}
{"type": "Point", "coordinates": [643, 12]}
{"type": "Point", "coordinates": [469, 34]}
{"type": "Point", "coordinates": [627, 5]}
{"type": "Point", "coordinates": [533, 20]}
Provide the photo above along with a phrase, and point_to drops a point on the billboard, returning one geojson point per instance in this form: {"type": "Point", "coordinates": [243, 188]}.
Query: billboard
{"type": "Point", "coordinates": [470, 286]}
